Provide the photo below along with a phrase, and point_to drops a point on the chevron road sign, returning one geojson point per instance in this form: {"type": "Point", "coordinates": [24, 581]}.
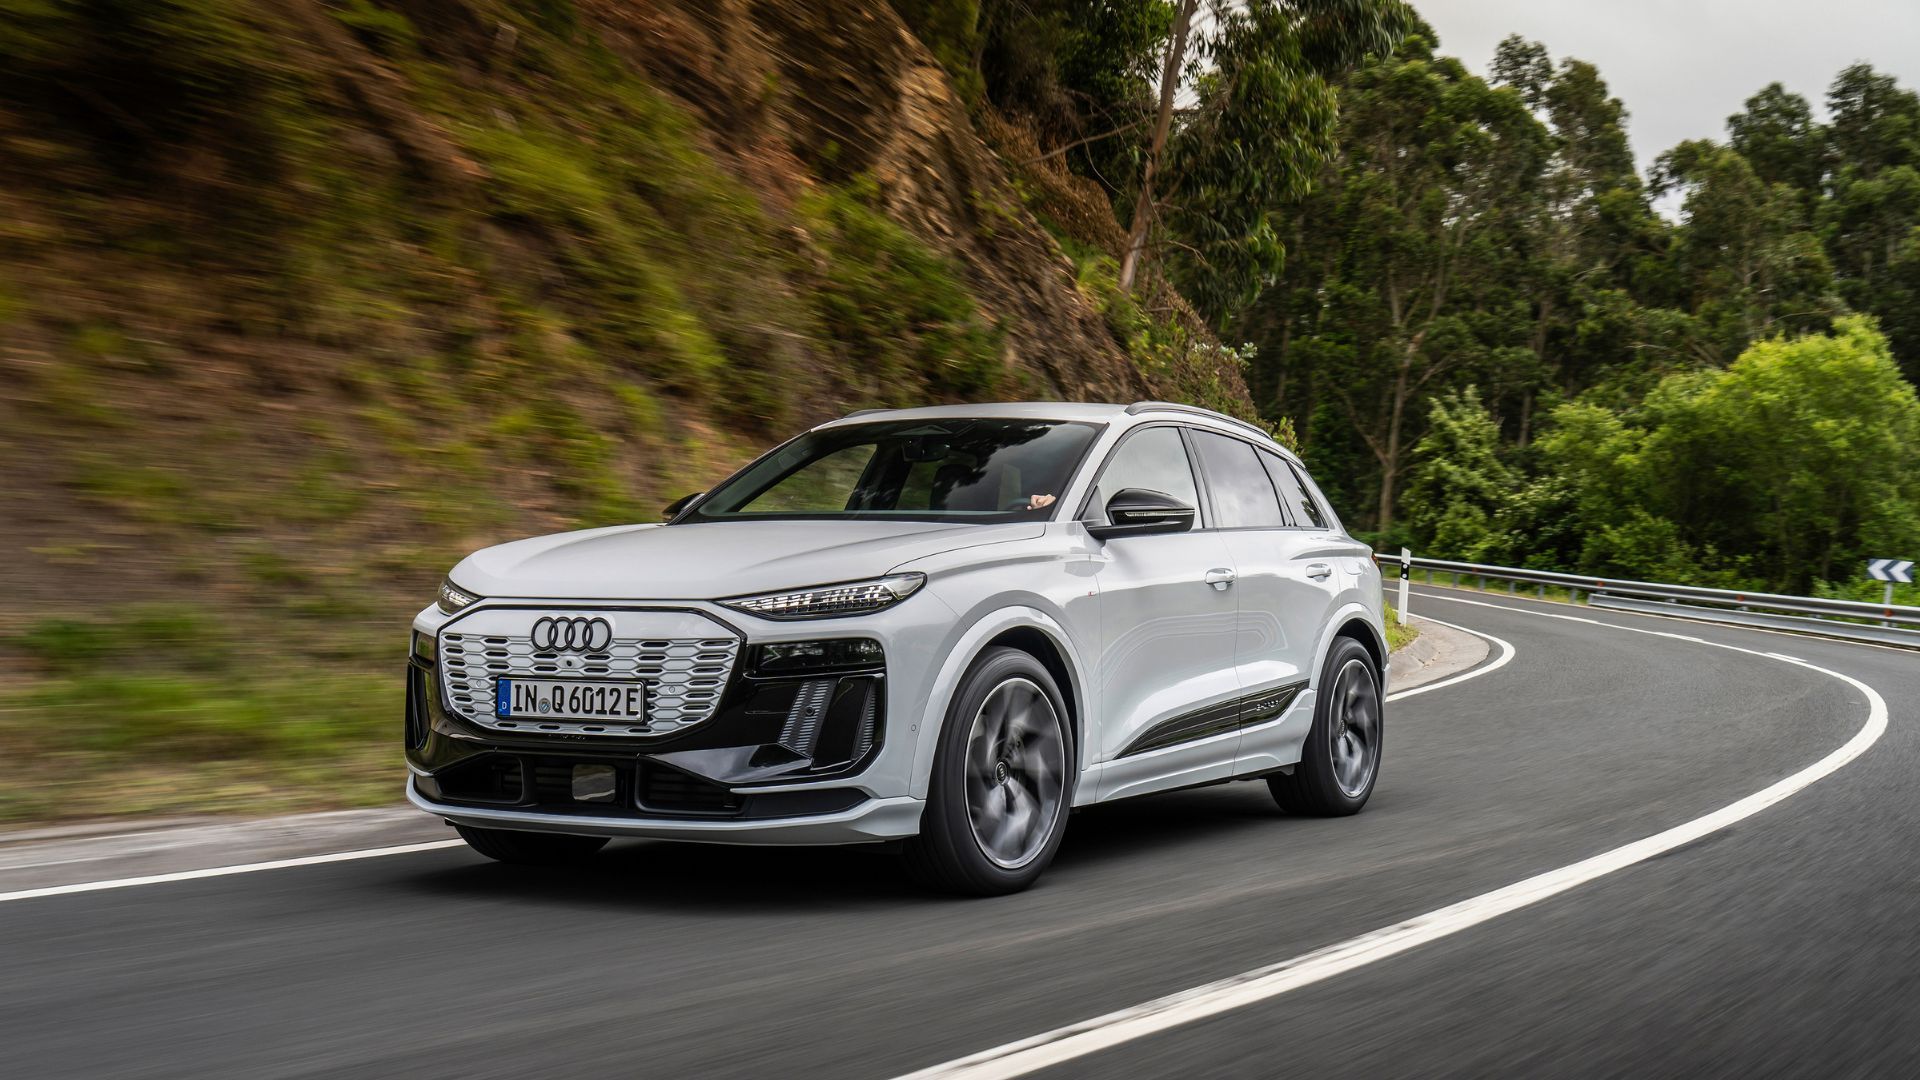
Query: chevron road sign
{"type": "Point", "coordinates": [1891, 570]}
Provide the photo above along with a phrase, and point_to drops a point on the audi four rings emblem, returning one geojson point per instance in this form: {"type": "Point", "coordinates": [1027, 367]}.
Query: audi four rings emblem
{"type": "Point", "coordinates": [577, 635]}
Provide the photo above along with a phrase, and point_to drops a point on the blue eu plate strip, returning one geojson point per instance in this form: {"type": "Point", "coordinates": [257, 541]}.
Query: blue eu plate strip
{"type": "Point", "coordinates": [501, 696]}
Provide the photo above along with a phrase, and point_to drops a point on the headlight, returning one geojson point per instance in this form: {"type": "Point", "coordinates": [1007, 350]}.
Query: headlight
{"type": "Point", "coordinates": [452, 599]}
{"type": "Point", "coordinates": [854, 598]}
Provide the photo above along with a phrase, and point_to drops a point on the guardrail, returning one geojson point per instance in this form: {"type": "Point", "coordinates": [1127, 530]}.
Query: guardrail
{"type": "Point", "coordinates": [1854, 620]}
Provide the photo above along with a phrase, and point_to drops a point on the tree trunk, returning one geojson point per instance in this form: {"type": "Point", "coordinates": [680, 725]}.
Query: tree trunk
{"type": "Point", "coordinates": [1390, 460]}
{"type": "Point", "coordinates": [1169, 86]}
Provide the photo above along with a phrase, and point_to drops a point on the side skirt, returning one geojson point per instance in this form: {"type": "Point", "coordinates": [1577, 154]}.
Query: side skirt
{"type": "Point", "coordinates": [1217, 719]}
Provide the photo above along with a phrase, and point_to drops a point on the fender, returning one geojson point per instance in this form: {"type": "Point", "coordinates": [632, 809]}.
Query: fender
{"type": "Point", "coordinates": [966, 649]}
{"type": "Point", "coordinates": [1278, 744]}
{"type": "Point", "coordinates": [1341, 616]}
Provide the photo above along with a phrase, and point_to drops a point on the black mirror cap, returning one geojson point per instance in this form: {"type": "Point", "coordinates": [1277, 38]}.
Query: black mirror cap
{"type": "Point", "coordinates": [1138, 512]}
{"type": "Point", "coordinates": [676, 506]}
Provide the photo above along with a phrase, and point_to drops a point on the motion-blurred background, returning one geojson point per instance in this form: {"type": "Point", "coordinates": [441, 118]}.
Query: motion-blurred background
{"type": "Point", "coordinates": [301, 300]}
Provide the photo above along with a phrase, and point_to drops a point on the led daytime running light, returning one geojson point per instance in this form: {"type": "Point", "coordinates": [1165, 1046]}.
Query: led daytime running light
{"type": "Point", "coordinates": [855, 598]}
{"type": "Point", "coordinates": [453, 599]}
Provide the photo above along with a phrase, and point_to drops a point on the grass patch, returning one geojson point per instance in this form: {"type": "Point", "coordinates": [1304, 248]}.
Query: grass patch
{"type": "Point", "coordinates": [159, 710]}
{"type": "Point", "coordinates": [896, 310]}
{"type": "Point", "coordinates": [1399, 634]}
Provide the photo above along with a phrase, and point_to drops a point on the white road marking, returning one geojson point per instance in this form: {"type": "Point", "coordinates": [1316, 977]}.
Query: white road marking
{"type": "Point", "coordinates": [1506, 654]}
{"type": "Point", "coordinates": [1115, 1028]}
{"type": "Point", "coordinates": [224, 871]}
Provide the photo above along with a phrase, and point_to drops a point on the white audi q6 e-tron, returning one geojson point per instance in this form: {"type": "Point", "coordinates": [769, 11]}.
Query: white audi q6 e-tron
{"type": "Point", "coordinates": [940, 628]}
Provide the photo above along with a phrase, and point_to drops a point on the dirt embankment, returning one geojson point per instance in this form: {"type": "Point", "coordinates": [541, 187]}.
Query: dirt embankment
{"type": "Point", "coordinates": [300, 300]}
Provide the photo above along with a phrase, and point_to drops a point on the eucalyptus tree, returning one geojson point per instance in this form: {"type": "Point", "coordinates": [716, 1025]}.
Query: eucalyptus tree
{"type": "Point", "coordinates": [1875, 122]}
{"type": "Point", "coordinates": [1589, 234]}
{"type": "Point", "coordinates": [1870, 221]}
{"type": "Point", "coordinates": [1751, 266]}
{"type": "Point", "coordinates": [1410, 250]}
{"type": "Point", "coordinates": [1778, 136]}
{"type": "Point", "coordinates": [1260, 126]}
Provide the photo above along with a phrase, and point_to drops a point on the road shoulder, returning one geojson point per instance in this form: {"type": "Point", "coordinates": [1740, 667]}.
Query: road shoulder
{"type": "Point", "coordinates": [1438, 652]}
{"type": "Point", "coordinates": [32, 859]}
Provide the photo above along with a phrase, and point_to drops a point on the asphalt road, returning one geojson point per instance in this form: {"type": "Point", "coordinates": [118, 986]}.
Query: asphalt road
{"type": "Point", "coordinates": [1787, 944]}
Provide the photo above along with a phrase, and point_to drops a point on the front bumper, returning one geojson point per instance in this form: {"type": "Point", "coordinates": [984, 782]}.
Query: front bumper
{"type": "Point", "coordinates": [871, 821]}
{"type": "Point", "coordinates": [818, 755]}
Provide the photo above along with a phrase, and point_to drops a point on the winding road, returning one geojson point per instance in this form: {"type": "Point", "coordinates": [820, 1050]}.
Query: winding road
{"type": "Point", "coordinates": [1770, 927]}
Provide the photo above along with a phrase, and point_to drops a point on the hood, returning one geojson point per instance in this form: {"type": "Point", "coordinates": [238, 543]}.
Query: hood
{"type": "Point", "coordinates": [709, 560]}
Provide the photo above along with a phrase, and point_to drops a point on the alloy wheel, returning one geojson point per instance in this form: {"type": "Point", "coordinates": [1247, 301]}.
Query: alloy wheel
{"type": "Point", "coordinates": [1354, 742]}
{"type": "Point", "coordinates": [1015, 773]}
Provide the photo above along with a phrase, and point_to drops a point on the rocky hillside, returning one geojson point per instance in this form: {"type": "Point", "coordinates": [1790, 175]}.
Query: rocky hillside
{"type": "Point", "coordinates": [300, 299]}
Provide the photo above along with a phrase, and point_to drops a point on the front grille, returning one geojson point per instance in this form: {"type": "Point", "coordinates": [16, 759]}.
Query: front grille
{"type": "Point", "coordinates": [684, 658]}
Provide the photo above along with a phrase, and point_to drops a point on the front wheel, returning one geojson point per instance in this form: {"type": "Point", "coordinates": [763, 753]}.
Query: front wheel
{"type": "Point", "coordinates": [1002, 780]}
{"type": "Point", "coordinates": [531, 848]}
{"type": "Point", "coordinates": [1341, 758]}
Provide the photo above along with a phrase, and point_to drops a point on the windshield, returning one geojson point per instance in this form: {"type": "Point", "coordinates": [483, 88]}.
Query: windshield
{"type": "Point", "coordinates": [947, 470]}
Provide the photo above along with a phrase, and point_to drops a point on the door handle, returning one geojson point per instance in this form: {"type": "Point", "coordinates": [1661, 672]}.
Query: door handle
{"type": "Point", "coordinates": [1319, 571]}
{"type": "Point", "coordinates": [1220, 577]}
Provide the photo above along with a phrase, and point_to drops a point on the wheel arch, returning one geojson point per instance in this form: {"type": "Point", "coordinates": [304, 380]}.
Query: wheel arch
{"type": "Point", "coordinates": [1358, 623]}
{"type": "Point", "coordinates": [1033, 632]}
{"type": "Point", "coordinates": [1036, 643]}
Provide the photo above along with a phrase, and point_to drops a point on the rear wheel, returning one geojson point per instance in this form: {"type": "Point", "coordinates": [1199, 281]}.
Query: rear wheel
{"type": "Point", "coordinates": [530, 848]}
{"type": "Point", "coordinates": [1002, 780]}
{"type": "Point", "coordinates": [1341, 758]}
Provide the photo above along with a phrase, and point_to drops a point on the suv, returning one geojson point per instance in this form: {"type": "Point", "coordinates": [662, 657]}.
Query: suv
{"type": "Point", "coordinates": [941, 627]}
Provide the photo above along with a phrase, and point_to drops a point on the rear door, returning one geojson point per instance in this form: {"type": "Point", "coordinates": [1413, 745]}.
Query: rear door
{"type": "Point", "coordinates": [1286, 584]}
{"type": "Point", "coordinates": [1321, 563]}
{"type": "Point", "coordinates": [1166, 633]}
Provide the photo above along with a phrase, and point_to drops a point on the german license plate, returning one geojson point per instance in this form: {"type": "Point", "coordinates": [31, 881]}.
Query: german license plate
{"type": "Point", "coordinates": [569, 699]}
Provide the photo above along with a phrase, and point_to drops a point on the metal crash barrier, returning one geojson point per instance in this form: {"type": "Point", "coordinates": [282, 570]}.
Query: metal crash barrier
{"type": "Point", "coordinates": [1854, 620]}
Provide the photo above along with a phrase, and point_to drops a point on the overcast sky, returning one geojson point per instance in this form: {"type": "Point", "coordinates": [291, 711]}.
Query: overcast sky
{"type": "Point", "coordinates": [1683, 66]}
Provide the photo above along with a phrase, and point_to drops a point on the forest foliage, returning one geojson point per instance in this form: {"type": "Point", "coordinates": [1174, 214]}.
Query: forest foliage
{"type": "Point", "coordinates": [1493, 336]}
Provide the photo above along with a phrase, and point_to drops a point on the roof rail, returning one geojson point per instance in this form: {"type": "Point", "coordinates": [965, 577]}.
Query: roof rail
{"type": "Point", "coordinates": [863, 412]}
{"type": "Point", "coordinates": [1139, 407]}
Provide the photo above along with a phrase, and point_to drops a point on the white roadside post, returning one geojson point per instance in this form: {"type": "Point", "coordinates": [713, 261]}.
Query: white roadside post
{"type": "Point", "coordinates": [1891, 571]}
{"type": "Point", "coordinates": [1406, 574]}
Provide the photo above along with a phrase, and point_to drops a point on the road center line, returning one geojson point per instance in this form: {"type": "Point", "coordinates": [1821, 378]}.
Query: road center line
{"type": "Point", "coordinates": [1161, 1014]}
{"type": "Point", "coordinates": [224, 871]}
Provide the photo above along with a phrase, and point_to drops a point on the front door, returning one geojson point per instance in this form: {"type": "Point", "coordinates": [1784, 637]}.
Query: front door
{"type": "Point", "coordinates": [1167, 613]}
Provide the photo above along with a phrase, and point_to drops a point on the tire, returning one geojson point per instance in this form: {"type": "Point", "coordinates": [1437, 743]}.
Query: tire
{"type": "Point", "coordinates": [1341, 758]}
{"type": "Point", "coordinates": [530, 848]}
{"type": "Point", "coordinates": [1002, 783]}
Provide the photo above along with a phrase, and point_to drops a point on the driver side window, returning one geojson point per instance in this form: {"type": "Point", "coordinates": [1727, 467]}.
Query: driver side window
{"type": "Point", "coordinates": [1152, 458]}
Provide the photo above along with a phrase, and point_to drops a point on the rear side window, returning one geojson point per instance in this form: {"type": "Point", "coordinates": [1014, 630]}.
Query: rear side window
{"type": "Point", "coordinates": [1294, 492]}
{"type": "Point", "coordinates": [1243, 496]}
{"type": "Point", "coordinates": [1153, 459]}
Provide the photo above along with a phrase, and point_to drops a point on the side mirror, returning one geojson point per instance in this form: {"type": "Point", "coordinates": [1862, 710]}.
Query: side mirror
{"type": "Point", "coordinates": [1137, 512]}
{"type": "Point", "coordinates": [673, 508]}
